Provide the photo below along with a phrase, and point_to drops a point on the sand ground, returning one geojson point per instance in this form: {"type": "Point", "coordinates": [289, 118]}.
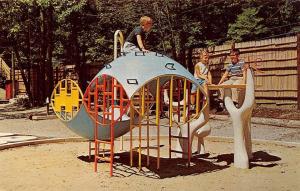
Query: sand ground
{"type": "Point", "coordinates": [66, 166]}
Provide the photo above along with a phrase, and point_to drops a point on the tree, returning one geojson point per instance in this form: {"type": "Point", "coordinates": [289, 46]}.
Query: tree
{"type": "Point", "coordinates": [247, 26]}
{"type": "Point", "coordinates": [15, 27]}
{"type": "Point", "coordinates": [80, 32]}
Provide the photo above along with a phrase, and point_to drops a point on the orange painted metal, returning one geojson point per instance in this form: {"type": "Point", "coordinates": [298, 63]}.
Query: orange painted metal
{"type": "Point", "coordinates": [100, 97]}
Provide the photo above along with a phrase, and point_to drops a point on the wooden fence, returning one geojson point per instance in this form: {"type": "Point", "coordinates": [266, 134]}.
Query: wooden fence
{"type": "Point", "coordinates": [278, 58]}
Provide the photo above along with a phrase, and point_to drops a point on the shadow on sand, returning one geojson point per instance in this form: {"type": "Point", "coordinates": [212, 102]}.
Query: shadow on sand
{"type": "Point", "coordinates": [168, 167]}
{"type": "Point", "coordinates": [263, 159]}
{"type": "Point", "coordinates": [260, 158]}
{"type": "Point", "coordinates": [178, 167]}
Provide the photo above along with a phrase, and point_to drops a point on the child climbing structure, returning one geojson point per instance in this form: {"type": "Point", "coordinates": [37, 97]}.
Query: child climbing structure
{"type": "Point", "coordinates": [133, 91]}
{"type": "Point", "coordinates": [120, 98]}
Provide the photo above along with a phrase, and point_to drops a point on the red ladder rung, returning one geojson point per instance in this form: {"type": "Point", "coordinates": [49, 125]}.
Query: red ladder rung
{"type": "Point", "coordinates": [107, 93]}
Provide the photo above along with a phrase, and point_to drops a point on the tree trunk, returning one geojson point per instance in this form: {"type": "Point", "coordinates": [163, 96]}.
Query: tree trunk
{"type": "Point", "coordinates": [23, 74]}
{"type": "Point", "coordinates": [74, 49]}
{"type": "Point", "coordinates": [49, 50]}
{"type": "Point", "coordinates": [82, 70]}
{"type": "Point", "coordinates": [42, 64]}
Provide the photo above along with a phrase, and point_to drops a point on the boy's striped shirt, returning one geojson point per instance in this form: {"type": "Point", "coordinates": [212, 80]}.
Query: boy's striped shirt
{"type": "Point", "coordinates": [236, 69]}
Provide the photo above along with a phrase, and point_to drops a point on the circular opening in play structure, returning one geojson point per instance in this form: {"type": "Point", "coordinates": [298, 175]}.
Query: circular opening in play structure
{"type": "Point", "coordinates": [66, 99]}
{"type": "Point", "coordinates": [166, 96]}
{"type": "Point", "coordinates": [106, 100]}
{"type": "Point", "coordinates": [183, 99]}
{"type": "Point", "coordinates": [171, 97]}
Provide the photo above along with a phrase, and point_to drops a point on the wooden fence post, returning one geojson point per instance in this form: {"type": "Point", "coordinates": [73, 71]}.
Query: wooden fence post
{"type": "Point", "coordinates": [298, 67]}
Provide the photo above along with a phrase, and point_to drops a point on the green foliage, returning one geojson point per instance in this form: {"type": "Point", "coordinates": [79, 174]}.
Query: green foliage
{"type": "Point", "coordinates": [247, 26]}
{"type": "Point", "coordinates": [81, 31]}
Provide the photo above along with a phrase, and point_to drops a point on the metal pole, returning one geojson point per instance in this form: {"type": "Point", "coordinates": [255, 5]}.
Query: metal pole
{"type": "Point", "coordinates": [118, 37]}
{"type": "Point", "coordinates": [184, 101]}
{"type": "Point", "coordinates": [171, 102]}
{"type": "Point", "coordinates": [147, 114]}
{"type": "Point", "coordinates": [158, 120]}
{"type": "Point", "coordinates": [131, 127]}
{"type": "Point", "coordinates": [112, 133]}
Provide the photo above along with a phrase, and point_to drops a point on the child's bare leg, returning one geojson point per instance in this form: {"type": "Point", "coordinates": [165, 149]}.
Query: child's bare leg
{"type": "Point", "coordinates": [193, 100]}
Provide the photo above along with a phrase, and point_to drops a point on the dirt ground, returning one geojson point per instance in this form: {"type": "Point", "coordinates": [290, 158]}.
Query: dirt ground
{"type": "Point", "coordinates": [275, 113]}
{"type": "Point", "coordinates": [65, 166]}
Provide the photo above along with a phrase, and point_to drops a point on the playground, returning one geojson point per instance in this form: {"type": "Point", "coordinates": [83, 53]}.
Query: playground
{"type": "Point", "coordinates": [124, 136]}
{"type": "Point", "coordinates": [176, 105]}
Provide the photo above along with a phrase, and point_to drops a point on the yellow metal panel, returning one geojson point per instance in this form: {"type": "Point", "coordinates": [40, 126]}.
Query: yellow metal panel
{"type": "Point", "coordinates": [68, 97]}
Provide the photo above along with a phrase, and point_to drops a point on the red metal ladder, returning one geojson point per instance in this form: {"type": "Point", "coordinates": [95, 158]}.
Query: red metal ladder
{"type": "Point", "coordinates": [102, 98]}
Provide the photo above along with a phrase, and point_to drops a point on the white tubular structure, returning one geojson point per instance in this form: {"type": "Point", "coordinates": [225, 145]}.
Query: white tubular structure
{"type": "Point", "coordinates": [241, 122]}
{"type": "Point", "coordinates": [174, 104]}
{"type": "Point", "coordinates": [203, 131]}
{"type": "Point", "coordinates": [198, 128]}
{"type": "Point", "coordinates": [118, 37]}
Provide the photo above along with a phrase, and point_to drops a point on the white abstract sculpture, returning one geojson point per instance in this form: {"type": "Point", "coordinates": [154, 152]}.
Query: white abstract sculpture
{"type": "Point", "coordinates": [174, 104]}
{"type": "Point", "coordinates": [199, 128]}
{"type": "Point", "coordinates": [241, 122]}
{"type": "Point", "coordinates": [200, 134]}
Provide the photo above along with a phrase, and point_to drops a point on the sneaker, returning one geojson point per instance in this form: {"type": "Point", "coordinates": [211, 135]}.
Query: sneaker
{"type": "Point", "coordinates": [193, 107]}
{"type": "Point", "coordinates": [236, 104]}
{"type": "Point", "coordinates": [221, 105]}
{"type": "Point", "coordinates": [162, 115]}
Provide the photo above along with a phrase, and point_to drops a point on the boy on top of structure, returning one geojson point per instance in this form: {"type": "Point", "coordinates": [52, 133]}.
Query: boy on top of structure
{"type": "Point", "coordinates": [202, 74]}
{"type": "Point", "coordinates": [136, 39]}
{"type": "Point", "coordinates": [235, 71]}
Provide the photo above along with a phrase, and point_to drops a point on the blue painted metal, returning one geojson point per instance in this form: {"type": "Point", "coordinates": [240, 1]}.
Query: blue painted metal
{"type": "Point", "coordinates": [132, 71]}
{"type": "Point", "coordinates": [144, 67]}
{"type": "Point", "coordinates": [83, 125]}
